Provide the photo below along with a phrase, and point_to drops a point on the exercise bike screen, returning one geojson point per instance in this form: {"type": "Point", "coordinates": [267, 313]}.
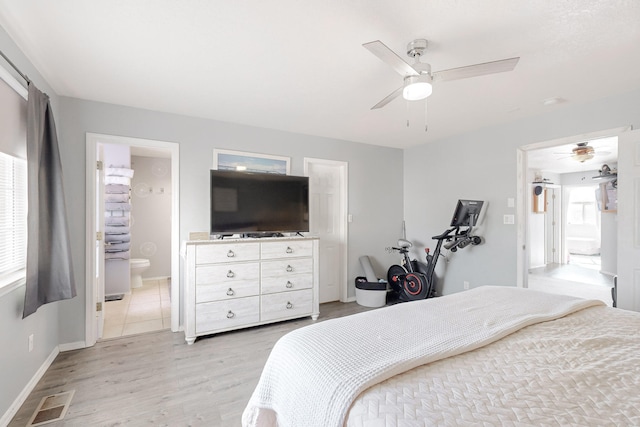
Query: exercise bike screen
{"type": "Point", "coordinates": [466, 213]}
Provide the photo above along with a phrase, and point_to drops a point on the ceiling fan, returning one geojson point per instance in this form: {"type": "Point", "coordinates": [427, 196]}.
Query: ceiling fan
{"type": "Point", "coordinates": [583, 152]}
{"type": "Point", "coordinates": [418, 77]}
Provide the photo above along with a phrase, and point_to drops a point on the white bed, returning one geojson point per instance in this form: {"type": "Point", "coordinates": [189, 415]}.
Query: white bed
{"type": "Point", "coordinates": [489, 356]}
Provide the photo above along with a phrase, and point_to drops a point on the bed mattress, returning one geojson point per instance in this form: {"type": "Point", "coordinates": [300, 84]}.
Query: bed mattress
{"type": "Point", "coordinates": [580, 370]}
{"type": "Point", "coordinates": [490, 356]}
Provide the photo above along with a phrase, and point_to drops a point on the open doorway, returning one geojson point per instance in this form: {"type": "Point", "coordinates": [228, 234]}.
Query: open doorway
{"type": "Point", "coordinates": [569, 227]}
{"type": "Point", "coordinates": [161, 160]}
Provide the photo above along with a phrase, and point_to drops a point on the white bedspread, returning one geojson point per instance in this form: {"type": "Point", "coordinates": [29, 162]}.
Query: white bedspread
{"type": "Point", "coordinates": [314, 373]}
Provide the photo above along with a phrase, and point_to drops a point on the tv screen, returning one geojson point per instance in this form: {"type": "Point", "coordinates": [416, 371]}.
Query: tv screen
{"type": "Point", "coordinates": [258, 203]}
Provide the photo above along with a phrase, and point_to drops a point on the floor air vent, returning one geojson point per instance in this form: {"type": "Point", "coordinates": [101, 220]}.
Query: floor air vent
{"type": "Point", "coordinates": [51, 408]}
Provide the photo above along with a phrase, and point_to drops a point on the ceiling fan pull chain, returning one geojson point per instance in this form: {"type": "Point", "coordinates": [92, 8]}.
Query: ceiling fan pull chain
{"type": "Point", "coordinates": [406, 110]}
{"type": "Point", "coordinates": [426, 126]}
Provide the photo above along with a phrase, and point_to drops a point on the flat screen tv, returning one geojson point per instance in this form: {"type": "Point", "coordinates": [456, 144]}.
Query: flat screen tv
{"type": "Point", "coordinates": [258, 203]}
{"type": "Point", "coordinates": [467, 213]}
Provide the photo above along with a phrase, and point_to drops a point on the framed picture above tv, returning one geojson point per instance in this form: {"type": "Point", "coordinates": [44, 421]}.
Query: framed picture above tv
{"type": "Point", "coordinates": [250, 162]}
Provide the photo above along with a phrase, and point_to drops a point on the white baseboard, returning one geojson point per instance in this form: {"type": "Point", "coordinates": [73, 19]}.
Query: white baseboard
{"type": "Point", "coordinates": [22, 397]}
{"type": "Point", "coordinates": [72, 346]}
{"type": "Point", "coordinates": [351, 299]}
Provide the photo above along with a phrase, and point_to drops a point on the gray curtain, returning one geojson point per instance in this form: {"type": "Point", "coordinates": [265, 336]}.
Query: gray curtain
{"type": "Point", "coordinates": [49, 269]}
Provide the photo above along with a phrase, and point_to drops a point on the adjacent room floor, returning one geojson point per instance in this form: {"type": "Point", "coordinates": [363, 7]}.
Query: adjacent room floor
{"type": "Point", "coordinates": [581, 278]}
{"type": "Point", "coordinates": [145, 309]}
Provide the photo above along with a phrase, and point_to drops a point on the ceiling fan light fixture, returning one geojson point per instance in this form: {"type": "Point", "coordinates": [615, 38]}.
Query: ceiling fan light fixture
{"type": "Point", "coordinates": [417, 87]}
{"type": "Point", "coordinates": [582, 157]}
{"type": "Point", "coordinates": [583, 152]}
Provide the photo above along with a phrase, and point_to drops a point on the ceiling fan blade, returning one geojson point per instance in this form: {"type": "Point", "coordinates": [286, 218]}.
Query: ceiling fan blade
{"type": "Point", "coordinates": [476, 70]}
{"type": "Point", "coordinates": [393, 95]}
{"type": "Point", "coordinates": [389, 57]}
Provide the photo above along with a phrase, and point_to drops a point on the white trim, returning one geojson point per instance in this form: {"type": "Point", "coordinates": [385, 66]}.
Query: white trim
{"type": "Point", "coordinates": [522, 245]}
{"type": "Point", "coordinates": [92, 140]}
{"type": "Point", "coordinates": [26, 391]}
{"type": "Point", "coordinates": [13, 83]}
{"type": "Point", "coordinates": [12, 281]}
{"type": "Point", "coordinates": [343, 214]}
{"type": "Point", "coordinates": [70, 346]}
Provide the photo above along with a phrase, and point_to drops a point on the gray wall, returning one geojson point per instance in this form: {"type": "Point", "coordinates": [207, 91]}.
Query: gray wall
{"type": "Point", "coordinates": [483, 166]}
{"type": "Point", "coordinates": [151, 214]}
{"type": "Point", "coordinates": [17, 364]}
{"type": "Point", "coordinates": [375, 195]}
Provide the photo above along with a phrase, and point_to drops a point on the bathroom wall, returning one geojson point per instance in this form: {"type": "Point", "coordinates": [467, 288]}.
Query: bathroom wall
{"type": "Point", "coordinates": [151, 213]}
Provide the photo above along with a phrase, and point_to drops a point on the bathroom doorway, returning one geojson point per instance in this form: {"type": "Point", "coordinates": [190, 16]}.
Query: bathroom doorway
{"type": "Point", "coordinates": [135, 276]}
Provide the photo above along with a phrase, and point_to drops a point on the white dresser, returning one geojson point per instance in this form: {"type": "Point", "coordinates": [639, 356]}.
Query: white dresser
{"type": "Point", "coordinates": [237, 283]}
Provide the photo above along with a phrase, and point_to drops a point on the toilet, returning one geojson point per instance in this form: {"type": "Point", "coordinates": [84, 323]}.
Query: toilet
{"type": "Point", "coordinates": [138, 266]}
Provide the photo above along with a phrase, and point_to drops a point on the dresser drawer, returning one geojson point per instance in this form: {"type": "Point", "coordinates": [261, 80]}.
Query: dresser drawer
{"type": "Point", "coordinates": [286, 268]}
{"type": "Point", "coordinates": [218, 282]}
{"type": "Point", "coordinates": [233, 313]}
{"type": "Point", "coordinates": [291, 282]}
{"type": "Point", "coordinates": [227, 252]}
{"type": "Point", "coordinates": [228, 273]}
{"type": "Point", "coordinates": [286, 304]}
{"type": "Point", "coordinates": [287, 249]}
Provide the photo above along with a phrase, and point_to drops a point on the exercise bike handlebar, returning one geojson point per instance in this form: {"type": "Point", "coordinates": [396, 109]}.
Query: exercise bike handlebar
{"type": "Point", "coordinates": [446, 235]}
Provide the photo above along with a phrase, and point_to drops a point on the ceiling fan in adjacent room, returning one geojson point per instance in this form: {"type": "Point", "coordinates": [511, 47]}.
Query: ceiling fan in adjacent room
{"type": "Point", "coordinates": [418, 77]}
{"type": "Point", "coordinates": [583, 152]}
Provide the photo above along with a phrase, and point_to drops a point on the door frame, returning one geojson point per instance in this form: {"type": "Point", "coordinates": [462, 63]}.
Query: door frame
{"type": "Point", "coordinates": [341, 217]}
{"type": "Point", "coordinates": [523, 201]}
{"type": "Point", "coordinates": [92, 141]}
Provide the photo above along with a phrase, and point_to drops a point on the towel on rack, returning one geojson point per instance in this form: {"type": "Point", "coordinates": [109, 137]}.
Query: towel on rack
{"type": "Point", "coordinates": [117, 238]}
{"type": "Point", "coordinates": [116, 189]}
{"type": "Point", "coordinates": [116, 221]}
{"type": "Point", "coordinates": [117, 247]}
{"type": "Point", "coordinates": [116, 229]}
{"type": "Point", "coordinates": [117, 180]}
{"type": "Point", "coordinates": [119, 171]}
{"type": "Point", "coordinates": [117, 207]}
{"type": "Point", "coordinates": [116, 198]}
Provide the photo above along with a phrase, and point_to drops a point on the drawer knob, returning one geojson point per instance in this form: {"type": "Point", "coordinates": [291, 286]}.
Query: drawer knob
{"type": "Point", "coordinates": [289, 250]}
{"type": "Point", "coordinates": [231, 274]}
{"type": "Point", "coordinates": [230, 292]}
{"type": "Point", "coordinates": [289, 285]}
{"type": "Point", "coordinates": [289, 305]}
{"type": "Point", "coordinates": [230, 254]}
{"type": "Point", "coordinates": [231, 315]}
{"type": "Point", "coordinates": [289, 269]}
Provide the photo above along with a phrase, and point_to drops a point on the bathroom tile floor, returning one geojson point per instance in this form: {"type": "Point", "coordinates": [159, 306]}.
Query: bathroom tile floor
{"type": "Point", "coordinates": [145, 309]}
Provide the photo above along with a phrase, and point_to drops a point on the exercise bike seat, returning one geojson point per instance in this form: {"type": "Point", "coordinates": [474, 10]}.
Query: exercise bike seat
{"type": "Point", "coordinates": [404, 243]}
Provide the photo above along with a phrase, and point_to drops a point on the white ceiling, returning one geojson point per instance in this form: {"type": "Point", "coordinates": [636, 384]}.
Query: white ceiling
{"type": "Point", "coordinates": [300, 66]}
{"type": "Point", "coordinates": [558, 159]}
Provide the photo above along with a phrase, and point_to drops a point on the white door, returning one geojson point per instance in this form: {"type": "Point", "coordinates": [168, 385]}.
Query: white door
{"type": "Point", "coordinates": [552, 228]}
{"type": "Point", "coordinates": [98, 284]}
{"type": "Point", "coordinates": [629, 220]}
{"type": "Point", "coordinates": [328, 212]}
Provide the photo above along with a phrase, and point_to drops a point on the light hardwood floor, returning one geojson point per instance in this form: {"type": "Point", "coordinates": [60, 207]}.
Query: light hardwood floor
{"type": "Point", "coordinates": [157, 379]}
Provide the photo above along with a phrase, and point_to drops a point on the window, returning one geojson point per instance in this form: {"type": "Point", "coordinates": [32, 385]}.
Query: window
{"type": "Point", "coordinates": [582, 206]}
{"type": "Point", "coordinates": [13, 182]}
{"type": "Point", "coordinates": [13, 215]}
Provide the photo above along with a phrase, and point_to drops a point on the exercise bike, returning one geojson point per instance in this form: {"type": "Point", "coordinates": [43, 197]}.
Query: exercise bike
{"type": "Point", "coordinates": [413, 280]}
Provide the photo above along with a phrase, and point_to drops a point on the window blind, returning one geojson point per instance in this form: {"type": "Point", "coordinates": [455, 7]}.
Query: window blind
{"type": "Point", "coordinates": [13, 180]}
{"type": "Point", "coordinates": [13, 214]}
